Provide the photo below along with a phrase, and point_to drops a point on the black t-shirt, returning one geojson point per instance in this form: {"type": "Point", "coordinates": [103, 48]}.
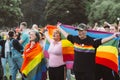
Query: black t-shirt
{"type": "Point", "coordinates": [84, 57]}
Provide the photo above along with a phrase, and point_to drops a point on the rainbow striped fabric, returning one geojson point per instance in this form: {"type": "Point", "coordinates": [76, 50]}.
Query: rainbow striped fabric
{"type": "Point", "coordinates": [67, 50]}
{"type": "Point", "coordinates": [107, 53]}
{"type": "Point", "coordinates": [50, 29]}
{"type": "Point", "coordinates": [33, 66]}
{"type": "Point", "coordinates": [67, 46]}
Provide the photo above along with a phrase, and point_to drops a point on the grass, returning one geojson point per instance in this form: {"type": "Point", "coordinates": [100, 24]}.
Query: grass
{"type": "Point", "coordinates": [8, 73]}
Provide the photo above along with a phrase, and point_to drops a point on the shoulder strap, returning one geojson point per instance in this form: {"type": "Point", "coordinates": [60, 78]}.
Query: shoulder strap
{"type": "Point", "coordinates": [11, 42]}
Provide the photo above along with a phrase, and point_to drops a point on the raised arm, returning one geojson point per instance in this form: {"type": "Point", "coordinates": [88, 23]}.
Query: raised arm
{"type": "Point", "coordinates": [107, 23]}
{"type": "Point", "coordinates": [47, 36]}
{"type": "Point", "coordinates": [62, 31]}
{"type": "Point", "coordinates": [110, 37]}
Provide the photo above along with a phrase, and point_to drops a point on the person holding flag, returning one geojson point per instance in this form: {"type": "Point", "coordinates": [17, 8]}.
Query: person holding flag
{"type": "Point", "coordinates": [56, 70]}
{"type": "Point", "coordinates": [84, 51]}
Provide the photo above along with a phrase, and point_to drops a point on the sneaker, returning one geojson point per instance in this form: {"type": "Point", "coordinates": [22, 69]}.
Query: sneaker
{"type": "Point", "coordinates": [73, 75]}
{"type": "Point", "coordinates": [19, 76]}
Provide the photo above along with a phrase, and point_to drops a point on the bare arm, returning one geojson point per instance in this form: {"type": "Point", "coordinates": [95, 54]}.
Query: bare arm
{"type": "Point", "coordinates": [47, 37]}
{"type": "Point", "coordinates": [110, 37]}
{"type": "Point", "coordinates": [107, 24]}
{"type": "Point", "coordinates": [95, 26]}
{"type": "Point", "coordinates": [62, 31]}
{"type": "Point", "coordinates": [21, 41]}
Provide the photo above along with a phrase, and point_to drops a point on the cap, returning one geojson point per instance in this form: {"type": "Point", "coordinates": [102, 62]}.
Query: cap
{"type": "Point", "coordinates": [81, 27]}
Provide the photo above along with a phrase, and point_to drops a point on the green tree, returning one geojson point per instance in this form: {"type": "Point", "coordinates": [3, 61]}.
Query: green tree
{"type": "Point", "coordinates": [33, 11]}
{"type": "Point", "coordinates": [10, 13]}
{"type": "Point", "coordinates": [104, 10]}
{"type": "Point", "coordinates": [67, 11]}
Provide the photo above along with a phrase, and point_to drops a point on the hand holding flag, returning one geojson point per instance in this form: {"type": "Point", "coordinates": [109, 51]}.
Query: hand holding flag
{"type": "Point", "coordinates": [117, 34]}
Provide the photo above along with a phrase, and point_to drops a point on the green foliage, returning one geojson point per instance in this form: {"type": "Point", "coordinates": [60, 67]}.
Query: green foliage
{"type": "Point", "coordinates": [67, 11]}
{"type": "Point", "coordinates": [104, 10]}
{"type": "Point", "coordinates": [33, 11]}
{"type": "Point", "coordinates": [10, 12]}
{"type": "Point", "coordinates": [43, 12]}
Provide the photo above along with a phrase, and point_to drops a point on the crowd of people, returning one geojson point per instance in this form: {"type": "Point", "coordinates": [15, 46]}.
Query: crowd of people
{"type": "Point", "coordinates": [21, 45]}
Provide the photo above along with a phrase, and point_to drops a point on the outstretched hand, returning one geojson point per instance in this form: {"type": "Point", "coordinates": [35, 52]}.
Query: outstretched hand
{"type": "Point", "coordinates": [117, 34]}
{"type": "Point", "coordinates": [58, 24]}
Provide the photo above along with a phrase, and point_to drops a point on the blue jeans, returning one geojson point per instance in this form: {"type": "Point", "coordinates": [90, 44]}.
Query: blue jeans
{"type": "Point", "coordinates": [3, 60]}
{"type": "Point", "coordinates": [68, 74]}
{"type": "Point", "coordinates": [9, 59]}
{"type": "Point", "coordinates": [16, 65]}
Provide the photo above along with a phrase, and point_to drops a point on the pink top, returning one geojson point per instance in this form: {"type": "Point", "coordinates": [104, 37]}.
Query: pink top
{"type": "Point", "coordinates": [55, 54]}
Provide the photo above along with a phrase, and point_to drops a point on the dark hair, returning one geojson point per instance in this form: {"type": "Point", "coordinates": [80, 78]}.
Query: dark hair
{"type": "Point", "coordinates": [11, 33]}
{"type": "Point", "coordinates": [37, 36]}
{"type": "Point", "coordinates": [106, 26]}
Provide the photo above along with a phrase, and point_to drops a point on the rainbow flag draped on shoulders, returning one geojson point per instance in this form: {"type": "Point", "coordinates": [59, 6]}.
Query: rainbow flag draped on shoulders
{"type": "Point", "coordinates": [34, 67]}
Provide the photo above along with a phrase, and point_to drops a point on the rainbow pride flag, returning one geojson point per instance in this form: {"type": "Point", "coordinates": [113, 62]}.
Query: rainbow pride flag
{"type": "Point", "coordinates": [50, 29]}
{"type": "Point", "coordinates": [67, 50]}
{"type": "Point", "coordinates": [67, 46]}
{"type": "Point", "coordinates": [33, 66]}
{"type": "Point", "coordinates": [107, 53]}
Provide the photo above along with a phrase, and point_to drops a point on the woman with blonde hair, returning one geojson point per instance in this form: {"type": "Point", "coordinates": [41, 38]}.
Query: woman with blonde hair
{"type": "Point", "coordinates": [55, 62]}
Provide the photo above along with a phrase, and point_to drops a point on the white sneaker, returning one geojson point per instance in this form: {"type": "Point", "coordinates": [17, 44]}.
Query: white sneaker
{"type": "Point", "coordinates": [73, 75]}
{"type": "Point", "coordinates": [19, 76]}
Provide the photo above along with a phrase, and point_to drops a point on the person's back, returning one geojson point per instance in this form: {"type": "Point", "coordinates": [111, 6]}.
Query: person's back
{"type": "Point", "coordinates": [15, 51]}
{"type": "Point", "coordinates": [15, 54]}
{"type": "Point", "coordinates": [24, 34]}
{"type": "Point", "coordinates": [25, 38]}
